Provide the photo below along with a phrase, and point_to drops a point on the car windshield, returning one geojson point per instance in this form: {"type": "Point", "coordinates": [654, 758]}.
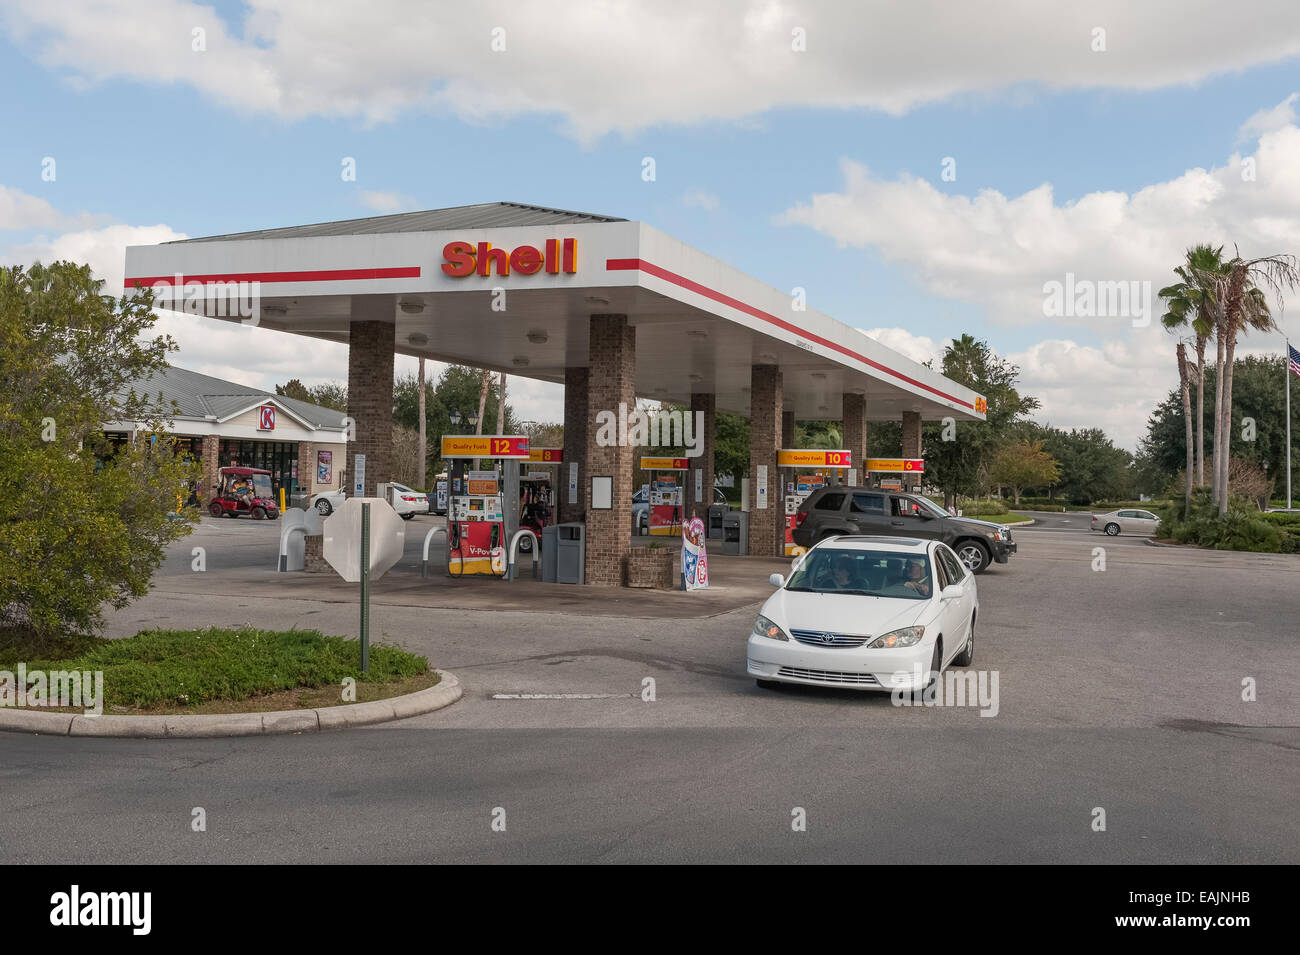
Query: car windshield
{"type": "Point", "coordinates": [930, 506]}
{"type": "Point", "coordinates": [870, 573]}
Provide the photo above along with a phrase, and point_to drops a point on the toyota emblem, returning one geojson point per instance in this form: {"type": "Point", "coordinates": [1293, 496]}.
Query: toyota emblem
{"type": "Point", "coordinates": [828, 638]}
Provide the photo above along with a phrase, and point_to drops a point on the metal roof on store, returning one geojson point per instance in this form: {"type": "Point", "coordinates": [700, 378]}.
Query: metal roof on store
{"type": "Point", "coordinates": [204, 398]}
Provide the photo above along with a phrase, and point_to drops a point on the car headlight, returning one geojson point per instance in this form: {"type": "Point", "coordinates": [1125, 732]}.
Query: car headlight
{"type": "Point", "coordinates": [1002, 534]}
{"type": "Point", "coordinates": [906, 637]}
{"type": "Point", "coordinates": [766, 628]}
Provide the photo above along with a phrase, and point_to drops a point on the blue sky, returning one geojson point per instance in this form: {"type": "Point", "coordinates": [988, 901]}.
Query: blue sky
{"type": "Point", "coordinates": [142, 150]}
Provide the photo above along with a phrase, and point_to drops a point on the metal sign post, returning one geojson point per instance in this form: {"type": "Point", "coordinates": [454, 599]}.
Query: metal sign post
{"type": "Point", "coordinates": [365, 588]}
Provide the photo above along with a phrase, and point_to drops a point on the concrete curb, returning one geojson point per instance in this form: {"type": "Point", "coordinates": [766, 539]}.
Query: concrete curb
{"type": "Point", "coordinates": [1152, 543]}
{"type": "Point", "coordinates": [1022, 523]}
{"type": "Point", "coordinates": [447, 692]}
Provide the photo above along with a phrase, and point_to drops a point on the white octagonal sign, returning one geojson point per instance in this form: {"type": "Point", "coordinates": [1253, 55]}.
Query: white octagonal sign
{"type": "Point", "coordinates": [342, 538]}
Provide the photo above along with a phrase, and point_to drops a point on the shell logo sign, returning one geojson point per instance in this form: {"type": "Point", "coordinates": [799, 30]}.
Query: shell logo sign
{"type": "Point", "coordinates": [466, 258]}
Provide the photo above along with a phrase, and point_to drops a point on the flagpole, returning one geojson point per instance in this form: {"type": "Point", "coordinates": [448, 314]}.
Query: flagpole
{"type": "Point", "coordinates": [1286, 365]}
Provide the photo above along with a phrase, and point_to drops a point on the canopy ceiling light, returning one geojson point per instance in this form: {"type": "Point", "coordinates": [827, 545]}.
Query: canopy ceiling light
{"type": "Point", "coordinates": [412, 307]}
{"type": "Point", "coordinates": [418, 339]}
{"type": "Point", "coordinates": [537, 337]}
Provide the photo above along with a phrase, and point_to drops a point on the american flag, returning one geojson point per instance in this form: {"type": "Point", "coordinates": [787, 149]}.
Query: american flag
{"type": "Point", "coordinates": [1295, 359]}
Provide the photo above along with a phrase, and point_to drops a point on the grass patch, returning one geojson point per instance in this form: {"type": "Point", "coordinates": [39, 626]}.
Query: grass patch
{"type": "Point", "coordinates": [192, 670]}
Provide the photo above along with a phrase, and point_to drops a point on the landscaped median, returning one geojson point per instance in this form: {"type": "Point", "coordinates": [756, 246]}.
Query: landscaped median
{"type": "Point", "coordinates": [212, 682]}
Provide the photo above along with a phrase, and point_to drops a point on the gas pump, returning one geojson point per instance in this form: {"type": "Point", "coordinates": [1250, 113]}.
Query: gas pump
{"type": "Point", "coordinates": [803, 472]}
{"type": "Point", "coordinates": [667, 495]}
{"type": "Point", "coordinates": [475, 524]}
{"type": "Point", "coordinates": [536, 505]}
{"type": "Point", "coordinates": [480, 510]}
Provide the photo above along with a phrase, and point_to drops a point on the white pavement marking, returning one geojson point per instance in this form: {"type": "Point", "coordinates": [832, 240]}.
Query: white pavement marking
{"type": "Point", "coordinates": [560, 696]}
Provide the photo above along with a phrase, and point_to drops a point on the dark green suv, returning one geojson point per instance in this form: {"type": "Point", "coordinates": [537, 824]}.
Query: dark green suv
{"type": "Point", "coordinates": [877, 512]}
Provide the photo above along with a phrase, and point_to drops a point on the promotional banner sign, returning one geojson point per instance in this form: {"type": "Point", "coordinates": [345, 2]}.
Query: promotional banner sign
{"type": "Point", "coordinates": [797, 458]}
{"type": "Point", "coordinates": [546, 455]}
{"type": "Point", "coordinates": [895, 464]}
{"type": "Point", "coordinates": [695, 560]}
{"type": "Point", "coordinates": [482, 482]}
{"type": "Point", "coordinates": [485, 446]}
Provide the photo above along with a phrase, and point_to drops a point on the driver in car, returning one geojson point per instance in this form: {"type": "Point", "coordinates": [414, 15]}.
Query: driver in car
{"type": "Point", "coordinates": [916, 578]}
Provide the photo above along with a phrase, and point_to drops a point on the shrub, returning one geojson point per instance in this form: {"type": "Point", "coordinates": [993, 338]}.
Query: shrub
{"type": "Point", "coordinates": [1242, 528]}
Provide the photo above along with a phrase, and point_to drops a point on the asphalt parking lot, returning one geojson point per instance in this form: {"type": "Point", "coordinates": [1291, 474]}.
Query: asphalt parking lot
{"type": "Point", "coordinates": [1118, 688]}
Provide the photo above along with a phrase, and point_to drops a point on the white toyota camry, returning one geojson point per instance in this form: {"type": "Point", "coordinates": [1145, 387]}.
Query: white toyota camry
{"type": "Point", "coordinates": [867, 613]}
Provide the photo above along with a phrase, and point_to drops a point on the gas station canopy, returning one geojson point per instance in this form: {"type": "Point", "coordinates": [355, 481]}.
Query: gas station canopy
{"type": "Point", "coordinates": [511, 287]}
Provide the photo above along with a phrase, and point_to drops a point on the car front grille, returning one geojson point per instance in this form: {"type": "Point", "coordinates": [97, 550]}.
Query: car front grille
{"type": "Point", "coordinates": [828, 676]}
{"type": "Point", "coordinates": [818, 638]}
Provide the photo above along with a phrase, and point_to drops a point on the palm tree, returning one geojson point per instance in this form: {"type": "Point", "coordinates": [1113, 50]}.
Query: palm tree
{"type": "Point", "coordinates": [1184, 373]}
{"type": "Point", "coordinates": [1238, 303]}
{"type": "Point", "coordinates": [1189, 303]}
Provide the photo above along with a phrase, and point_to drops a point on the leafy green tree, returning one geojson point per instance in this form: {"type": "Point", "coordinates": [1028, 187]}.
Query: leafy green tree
{"type": "Point", "coordinates": [82, 523]}
{"type": "Point", "coordinates": [457, 390]}
{"type": "Point", "coordinates": [1092, 468]}
{"type": "Point", "coordinates": [1022, 464]}
{"type": "Point", "coordinates": [330, 394]}
{"type": "Point", "coordinates": [961, 465]}
{"type": "Point", "coordinates": [731, 445]}
{"type": "Point", "coordinates": [1258, 383]}
{"type": "Point", "coordinates": [818, 435]}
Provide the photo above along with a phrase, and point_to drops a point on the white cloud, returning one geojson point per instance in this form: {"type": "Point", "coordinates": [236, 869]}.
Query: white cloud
{"type": "Point", "coordinates": [615, 65]}
{"type": "Point", "coordinates": [20, 211]}
{"type": "Point", "coordinates": [385, 202]}
{"type": "Point", "coordinates": [701, 199]}
{"type": "Point", "coordinates": [999, 251]}
{"type": "Point", "coordinates": [1267, 120]}
{"type": "Point", "coordinates": [916, 347]}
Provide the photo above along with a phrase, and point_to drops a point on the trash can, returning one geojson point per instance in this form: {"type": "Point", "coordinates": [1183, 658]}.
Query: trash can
{"type": "Point", "coordinates": [716, 513]}
{"type": "Point", "coordinates": [550, 538]}
{"type": "Point", "coordinates": [299, 500]}
{"type": "Point", "coordinates": [735, 533]}
{"type": "Point", "coordinates": [570, 553]}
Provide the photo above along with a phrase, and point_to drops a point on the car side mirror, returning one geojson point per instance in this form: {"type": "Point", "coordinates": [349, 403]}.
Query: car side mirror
{"type": "Point", "coordinates": [776, 580]}
{"type": "Point", "coordinates": [924, 515]}
{"type": "Point", "coordinates": [951, 592]}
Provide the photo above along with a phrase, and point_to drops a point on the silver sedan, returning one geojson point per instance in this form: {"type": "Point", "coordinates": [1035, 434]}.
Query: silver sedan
{"type": "Point", "coordinates": [1126, 521]}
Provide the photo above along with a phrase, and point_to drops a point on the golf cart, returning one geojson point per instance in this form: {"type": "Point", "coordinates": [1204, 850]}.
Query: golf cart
{"type": "Point", "coordinates": [244, 491]}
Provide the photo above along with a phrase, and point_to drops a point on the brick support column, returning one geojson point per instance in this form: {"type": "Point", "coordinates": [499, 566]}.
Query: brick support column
{"type": "Point", "coordinates": [787, 429]}
{"type": "Point", "coordinates": [702, 432]}
{"type": "Point", "coordinates": [853, 426]}
{"type": "Point", "coordinates": [370, 401]}
{"type": "Point", "coordinates": [575, 445]}
{"type": "Point", "coordinates": [766, 525]}
{"type": "Point", "coordinates": [911, 446]}
{"type": "Point", "coordinates": [211, 445]}
{"type": "Point", "coordinates": [611, 383]}
{"type": "Point", "coordinates": [306, 468]}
